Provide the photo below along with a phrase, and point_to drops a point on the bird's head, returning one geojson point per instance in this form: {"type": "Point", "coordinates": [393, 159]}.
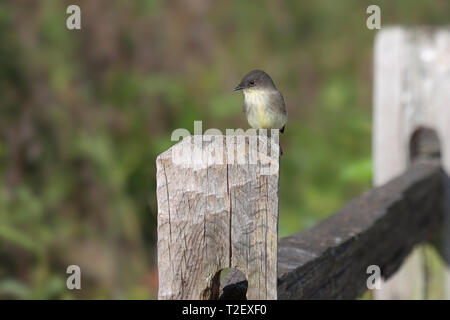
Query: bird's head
{"type": "Point", "coordinates": [255, 80]}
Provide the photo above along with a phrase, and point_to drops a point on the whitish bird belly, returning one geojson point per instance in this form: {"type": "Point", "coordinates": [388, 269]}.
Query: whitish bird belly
{"type": "Point", "coordinates": [262, 114]}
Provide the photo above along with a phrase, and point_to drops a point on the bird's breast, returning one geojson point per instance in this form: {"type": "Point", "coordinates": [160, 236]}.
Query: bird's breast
{"type": "Point", "coordinates": [261, 113]}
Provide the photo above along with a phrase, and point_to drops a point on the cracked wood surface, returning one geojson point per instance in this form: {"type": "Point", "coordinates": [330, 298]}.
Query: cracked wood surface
{"type": "Point", "coordinates": [330, 260]}
{"type": "Point", "coordinates": [213, 216]}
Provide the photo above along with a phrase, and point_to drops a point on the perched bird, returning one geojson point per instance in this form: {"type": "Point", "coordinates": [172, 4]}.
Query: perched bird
{"type": "Point", "coordinates": [263, 103]}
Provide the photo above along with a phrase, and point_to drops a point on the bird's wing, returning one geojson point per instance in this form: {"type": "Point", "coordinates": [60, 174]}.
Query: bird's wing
{"type": "Point", "coordinates": [283, 108]}
{"type": "Point", "coordinates": [282, 99]}
{"type": "Point", "coordinates": [244, 108]}
{"type": "Point", "coordinates": [277, 101]}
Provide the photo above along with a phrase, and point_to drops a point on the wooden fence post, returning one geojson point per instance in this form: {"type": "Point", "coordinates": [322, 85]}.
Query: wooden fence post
{"type": "Point", "coordinates": [412, 91]}
{"type": "Point", "coordinates": [218, 208]}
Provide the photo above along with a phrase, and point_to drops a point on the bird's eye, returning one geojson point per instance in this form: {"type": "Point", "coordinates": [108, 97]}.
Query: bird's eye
{"type": "Point", "coordinates": [252, 82]}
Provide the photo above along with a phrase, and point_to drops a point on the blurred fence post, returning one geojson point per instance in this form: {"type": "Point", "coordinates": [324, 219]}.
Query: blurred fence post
{"type": "Point", "coordinates": [217, 209]}
{"type": "Point", "coordinates": [412, 92]}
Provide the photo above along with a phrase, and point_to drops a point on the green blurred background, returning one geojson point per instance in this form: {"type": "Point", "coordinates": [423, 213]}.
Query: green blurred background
{"type": "Point", "coordinates": [83, 115]}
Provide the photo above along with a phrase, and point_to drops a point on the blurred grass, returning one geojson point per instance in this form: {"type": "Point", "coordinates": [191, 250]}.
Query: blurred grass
{"type": "Point", "coordinates": [83, 115]}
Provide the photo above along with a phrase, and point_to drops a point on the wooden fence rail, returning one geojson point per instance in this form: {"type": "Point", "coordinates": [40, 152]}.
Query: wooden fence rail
{"type": "Point", "coordinates": [379, 228]}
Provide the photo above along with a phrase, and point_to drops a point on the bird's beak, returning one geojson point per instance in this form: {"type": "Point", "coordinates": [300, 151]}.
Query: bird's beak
{"type": "Point", "coordinates": [239, 87]}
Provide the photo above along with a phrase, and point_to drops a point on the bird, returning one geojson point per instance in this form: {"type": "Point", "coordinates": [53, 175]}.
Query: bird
{"type": "Point", "coordinates": [264, 104]}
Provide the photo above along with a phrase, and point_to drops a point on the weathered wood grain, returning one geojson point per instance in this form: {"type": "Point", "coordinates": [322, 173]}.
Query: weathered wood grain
{"type": "Point", "coordinates": [411, 91]}
{"type": "Point", "coordinates": [380, 228]}
{"type": "Point", "coordinates": [217, 210]}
